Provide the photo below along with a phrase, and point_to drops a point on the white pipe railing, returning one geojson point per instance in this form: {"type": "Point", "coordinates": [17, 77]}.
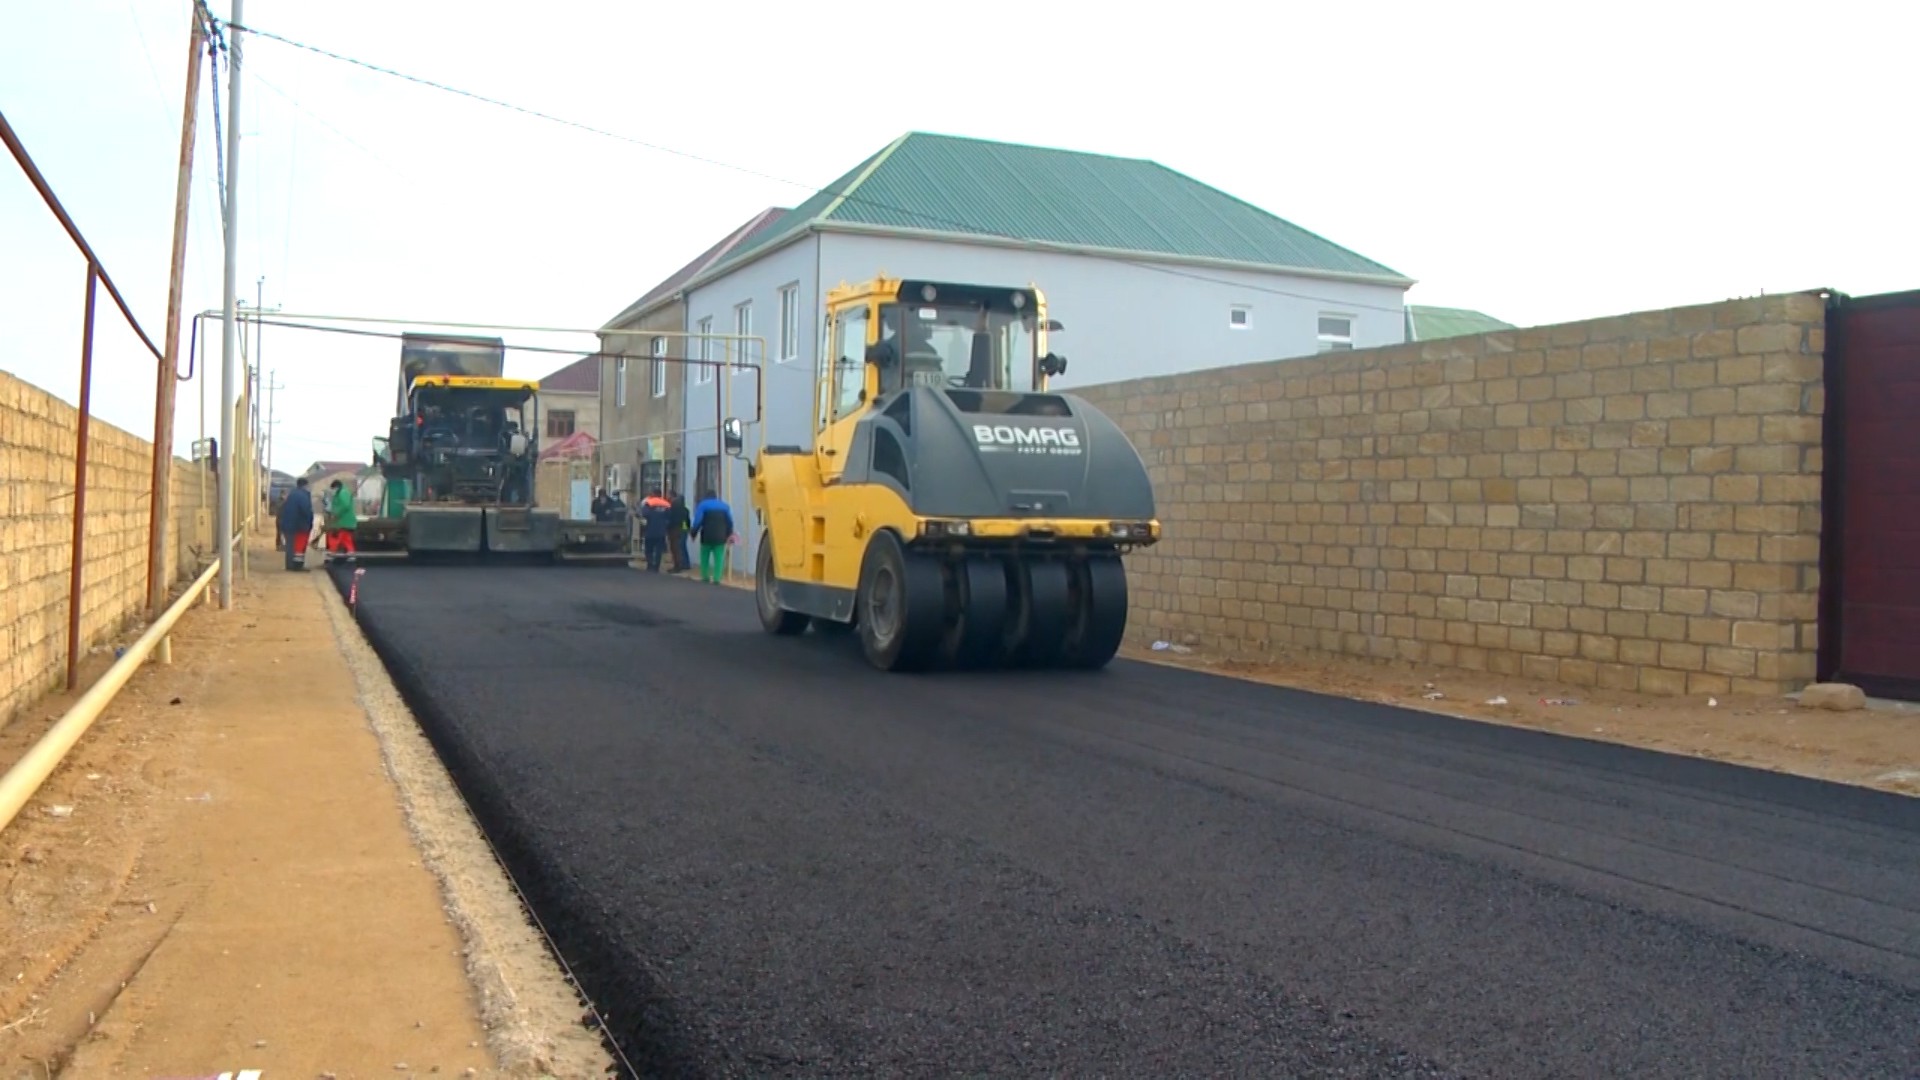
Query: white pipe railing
{"type": "Point", "coordinates": [25, 779]}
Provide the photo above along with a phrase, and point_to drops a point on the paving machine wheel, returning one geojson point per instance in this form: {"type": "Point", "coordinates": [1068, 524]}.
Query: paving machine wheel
{"type": "Point", "coordinates": [766, 593]}
{"type": "Point", "coordinates": [902, 605]}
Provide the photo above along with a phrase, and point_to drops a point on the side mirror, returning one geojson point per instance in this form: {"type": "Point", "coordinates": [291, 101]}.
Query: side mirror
{"type": "Point", "coordinates": [1054, 326]}
{"type": "Point", "coordinates": [1051, 365]}
{"type": "Point", "coordinates": [732, 438]}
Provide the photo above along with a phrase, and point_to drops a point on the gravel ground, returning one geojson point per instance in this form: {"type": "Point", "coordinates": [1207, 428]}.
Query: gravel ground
{"type": "Point", "coordinates": [763, 858]}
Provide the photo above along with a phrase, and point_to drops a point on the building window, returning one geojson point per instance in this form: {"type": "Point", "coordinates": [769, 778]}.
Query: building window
{"type": "Point", "coordinates": [790, 323]}
{"type": "Point", "coordinates": [706, 476]}
{"type": "Point", "coordinates": [659, 367]}
{"type": "Point", "coordinates": [1336, 333]}
{"type": "Point", "coordinates": [1240, 317]}
{"type": "Point", "coordinates": [620, 382]}
{"type": "Point", "coordinates": [705, 373]}
{"type": "Point", "coordinates": [742, 330]}
{"type": "Point", "coordinates": [559, 423]}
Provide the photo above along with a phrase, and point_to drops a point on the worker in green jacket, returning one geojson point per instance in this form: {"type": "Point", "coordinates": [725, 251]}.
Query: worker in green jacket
{"type": "Point", "coordinates": [341, 522]}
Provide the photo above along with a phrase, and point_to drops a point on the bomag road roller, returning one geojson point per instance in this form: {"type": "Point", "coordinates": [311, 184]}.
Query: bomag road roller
{"type": "Point", "coordinates": [952, 509]}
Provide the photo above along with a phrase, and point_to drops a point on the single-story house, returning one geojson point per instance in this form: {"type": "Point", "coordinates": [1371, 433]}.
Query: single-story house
{"type": "Point", "coordinates": [1426, 323]}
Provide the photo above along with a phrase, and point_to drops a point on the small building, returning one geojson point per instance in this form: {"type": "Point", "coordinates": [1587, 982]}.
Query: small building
{"type": "Point", "coordinates": [643, 406]}
{"type": "Point", "coordinates": [1150, 271]}
{"type": "Point", "coordinates": [1425, 323]}
{"type": "Point", "coordinates": [569, 401]}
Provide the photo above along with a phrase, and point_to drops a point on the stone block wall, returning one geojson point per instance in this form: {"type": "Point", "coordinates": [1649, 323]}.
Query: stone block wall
{"type": "Point", "coordinates": [1630, 502]}
{"type": "Point", "coordinates": [37, 432]}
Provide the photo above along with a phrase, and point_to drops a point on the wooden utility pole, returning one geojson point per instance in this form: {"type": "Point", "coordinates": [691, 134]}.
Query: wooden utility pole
{"type": "Point", "coordinates": [159, 505]}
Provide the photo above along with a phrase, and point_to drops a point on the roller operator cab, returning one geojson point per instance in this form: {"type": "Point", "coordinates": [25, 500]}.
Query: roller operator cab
{"type": "Point", "coordinates": [952, 508]}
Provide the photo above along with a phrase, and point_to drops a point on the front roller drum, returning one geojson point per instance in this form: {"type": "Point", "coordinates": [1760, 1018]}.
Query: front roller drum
{"type": "Point", "coordinates": [902, 607]}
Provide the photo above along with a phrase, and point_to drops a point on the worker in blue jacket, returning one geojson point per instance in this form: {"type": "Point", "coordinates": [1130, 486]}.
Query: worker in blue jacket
{"type": "Point", "coordinates": [713, 523]}
{"type": "Point", "coordinates": [296, 523]}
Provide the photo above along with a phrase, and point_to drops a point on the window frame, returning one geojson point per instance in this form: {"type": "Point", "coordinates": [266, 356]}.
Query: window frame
{"type": "Point", "coordinates": [619, 382]}
{"type": "Point", "coordinates": [705, 375]}
{"type": "Point", "coordinates": [739, 353]}
{"type": "Point", "coordinates": [1240, 309]}
{"type": "Point", "coordinates": [657, 378]}
{"type": "Point", "coordinates": [789, 323]}
{"type": "Point", "coordinates": [1326, 342]}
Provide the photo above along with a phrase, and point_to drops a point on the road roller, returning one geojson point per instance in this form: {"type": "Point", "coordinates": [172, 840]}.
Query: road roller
{"type": "Point", "coordinates": [953, 510]}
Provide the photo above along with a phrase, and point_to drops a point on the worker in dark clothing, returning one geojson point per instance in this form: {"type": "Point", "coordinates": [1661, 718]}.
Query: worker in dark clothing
{"type": "Point", "coordinates": [656, 516]}
{"type": "Point", "coordinates": [679, 524]}
{"type": "Point", "coordinates": [713, 520]}
{"type": "Point", "coordinates": [296, 523]}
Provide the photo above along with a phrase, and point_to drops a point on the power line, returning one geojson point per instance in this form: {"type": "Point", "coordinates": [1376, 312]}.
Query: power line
{"type": "Point", "coordinates": [1027, 241]}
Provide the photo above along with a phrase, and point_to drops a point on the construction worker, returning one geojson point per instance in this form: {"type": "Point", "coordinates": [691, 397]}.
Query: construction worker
{"type": "Point", "coordinates": [656, 517]}
{"type": "Point", "coordinates": [679, 524]}
{"type": "Point", "coordinates": [713, 520]}
{"type": "Point", "coordinates": [342, 520]}
{"type": "Point", "coordinates": [296, 523]}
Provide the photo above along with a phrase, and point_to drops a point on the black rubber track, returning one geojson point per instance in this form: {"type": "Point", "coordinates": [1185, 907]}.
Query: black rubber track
{"type": "Point", "coordinates": [764, 858]}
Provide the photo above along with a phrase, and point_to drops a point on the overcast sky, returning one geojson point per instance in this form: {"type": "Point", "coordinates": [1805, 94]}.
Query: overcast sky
{"type": "Point", "coordinates": [1539, 162]}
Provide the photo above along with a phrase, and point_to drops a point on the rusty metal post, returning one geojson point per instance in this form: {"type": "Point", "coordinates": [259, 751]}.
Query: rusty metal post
{"type": "Point", "coordinates": [80, 486]}
{"type": "Point", "coordinates": [160, 501]}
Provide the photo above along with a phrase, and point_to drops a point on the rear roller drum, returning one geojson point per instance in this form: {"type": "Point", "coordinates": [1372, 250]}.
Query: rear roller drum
{"type": "Point", "coordinates": [1100, 613]}
{"type": "Point", "coordinates": [902, 607]}
{"type": "Point", "coordinates": [978, 610]}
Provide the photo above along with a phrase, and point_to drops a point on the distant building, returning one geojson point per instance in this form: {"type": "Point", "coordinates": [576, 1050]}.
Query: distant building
{"type": "Point", "coordinates": [1432, 323]}
{"type": "Point", "coordinates": [569, 401]}
{"type": "Point", "coordinates": [643, 405]}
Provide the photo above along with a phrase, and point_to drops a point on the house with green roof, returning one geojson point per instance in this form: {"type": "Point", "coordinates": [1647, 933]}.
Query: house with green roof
{"type": "Point", "coordinates": [1425, 323]}
{"type": "Point", "coordinates": [1152, 272]}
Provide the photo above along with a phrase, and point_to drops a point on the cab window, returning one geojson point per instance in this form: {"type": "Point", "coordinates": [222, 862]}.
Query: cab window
{"type": "Point", "coordinates": [849, 358]}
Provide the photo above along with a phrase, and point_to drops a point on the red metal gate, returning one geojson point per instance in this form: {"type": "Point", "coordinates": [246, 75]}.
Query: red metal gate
{"type": "Point", "coordinates": [1870, 577]}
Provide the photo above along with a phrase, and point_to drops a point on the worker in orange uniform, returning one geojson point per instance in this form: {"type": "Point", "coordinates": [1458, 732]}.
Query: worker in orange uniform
{"type": "Point", "coordinates": [656, 516]}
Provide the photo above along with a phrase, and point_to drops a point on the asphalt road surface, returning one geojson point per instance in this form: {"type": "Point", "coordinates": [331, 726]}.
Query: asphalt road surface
{"type": "Point", "coordinates": [763, 858]}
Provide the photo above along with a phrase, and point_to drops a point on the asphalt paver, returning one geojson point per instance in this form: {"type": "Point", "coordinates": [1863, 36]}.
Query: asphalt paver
{"type": "Point", "coordinates": [763, 858]}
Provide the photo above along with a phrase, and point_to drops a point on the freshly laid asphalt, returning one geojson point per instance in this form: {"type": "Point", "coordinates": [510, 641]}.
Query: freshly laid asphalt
{"type": "Point", "coordinates": [763, 858]}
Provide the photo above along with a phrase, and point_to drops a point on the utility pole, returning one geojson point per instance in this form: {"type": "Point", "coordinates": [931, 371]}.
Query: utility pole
{"type": "Point", "coordinates": [160, 499]}
{"type": "Point", "coordinates": [230, 328]}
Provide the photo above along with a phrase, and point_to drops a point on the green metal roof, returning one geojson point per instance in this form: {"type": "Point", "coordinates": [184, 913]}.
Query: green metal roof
{"type": "Point", "coordinates": [946, 184]}
{"type": "Point", "coordinates": [1430, 323]}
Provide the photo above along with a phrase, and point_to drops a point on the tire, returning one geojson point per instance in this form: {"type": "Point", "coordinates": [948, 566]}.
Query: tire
{"type": "Point", "coordinates": [1100, 612]}
{"type": "Point", "coordinates": [979, 607]}
{"type": "Point", "coordinates": [766, 596]}
{"type": "Point", "coordinates": [902, 606]}
{"type": "Point", "coordinates": [1043, 611]}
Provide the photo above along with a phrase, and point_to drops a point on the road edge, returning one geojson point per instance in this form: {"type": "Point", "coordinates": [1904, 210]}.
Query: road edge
{"type": "Point", "coordinates": [1866, 784]}
{"type": "Point", "coordinates": [532, 1011]}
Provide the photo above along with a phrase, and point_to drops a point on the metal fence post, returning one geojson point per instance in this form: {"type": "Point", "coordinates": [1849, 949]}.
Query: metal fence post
{"type": "Point", "coordinates": [80, 486]}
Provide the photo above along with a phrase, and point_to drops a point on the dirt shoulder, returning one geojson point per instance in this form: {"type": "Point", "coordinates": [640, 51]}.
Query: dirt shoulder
{"type": "Point", "coordinates": [254, 861]}
{"type": "Point", "coordinates": [1877, 747]}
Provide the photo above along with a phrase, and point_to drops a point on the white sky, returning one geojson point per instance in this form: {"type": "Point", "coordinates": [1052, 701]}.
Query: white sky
{"type": "Point", "coordinates": [1535, 161]}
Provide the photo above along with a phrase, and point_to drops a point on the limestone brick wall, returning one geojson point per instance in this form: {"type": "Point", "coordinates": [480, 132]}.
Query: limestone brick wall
{"type": "Point", "coordinates": [1629, 502]}
{"type": "Point", "coordinates": [36, 540]}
